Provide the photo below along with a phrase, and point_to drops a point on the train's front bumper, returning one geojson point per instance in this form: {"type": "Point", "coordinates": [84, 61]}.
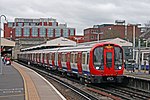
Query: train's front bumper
{"type": "Point", "coordinates": [107, 79]}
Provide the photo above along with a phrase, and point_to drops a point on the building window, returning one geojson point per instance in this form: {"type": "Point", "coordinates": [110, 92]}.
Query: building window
{"type": "Point", "coordinates": [65, 32]}
{"type": "Point", "coordinates": [92, 37]}
{"type": "Point", "coordinates": [57, 32]}
{"type": "Point", "coordinates": [42, 32]}
{"type": "Point", "coordinates": [53, 23]}
{"type": "Point", "coordinates": [26, 24]}
{"type": "Point", "coordinates": [10, 24]}
{"type": "Point", "coordinates": [50, 32]}
{"type": "Point", "coordinates": [34, 31]}
{"type": "Point", "coordinates": [26, 31]}
{"type": "Point", "coordinates": [20, 24]}
{"type": "Point", "coordinates": [18, 31]}
{"type": "Point", "coordinates": [32, 24]}
{"type": "Point", "coordinates": [71, 32]}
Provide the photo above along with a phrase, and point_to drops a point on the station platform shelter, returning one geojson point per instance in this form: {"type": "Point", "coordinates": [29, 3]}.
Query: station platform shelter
{"type": "Point", "coordinates": [6, 46]}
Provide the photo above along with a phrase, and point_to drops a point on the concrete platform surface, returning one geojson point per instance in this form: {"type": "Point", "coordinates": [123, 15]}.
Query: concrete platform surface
{"type": "Point", "coordinates": [138, 74]}
{"type": "Point", "coordinates": [45, 90]}
{"type": "Point", "coordinates": [11, 84]}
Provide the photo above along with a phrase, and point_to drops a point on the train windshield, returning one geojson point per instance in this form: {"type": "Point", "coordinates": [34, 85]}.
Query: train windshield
{"type": "Point", "coordinates": [98, 58]}
{"type": "Point", "coordinates": [118, 58]}
{"type": "Point", "coordinates": [109, 59]}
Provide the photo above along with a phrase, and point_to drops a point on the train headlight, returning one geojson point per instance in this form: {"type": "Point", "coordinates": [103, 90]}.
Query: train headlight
{"type": "Point", "coordinates": [97, 67]}
{"type": "Point", "coordinates": [119, 67]}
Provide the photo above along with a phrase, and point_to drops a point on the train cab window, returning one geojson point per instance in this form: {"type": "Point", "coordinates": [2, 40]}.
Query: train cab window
{"type": "Point", "coordinates": [109, 59]}
{"type": "Point", "coordinates": [98, 58]}
{"type": "Point", "coordinates": [118, 58]}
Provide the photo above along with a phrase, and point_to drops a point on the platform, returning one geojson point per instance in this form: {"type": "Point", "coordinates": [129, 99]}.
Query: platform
{"type": "Point", "coordinates": [11, 84]}
{"type": "Point", "coordinates": [37, 87]}
{"type": "Point", "coordinates": [138, 74]}
{"type": "Point", "coordinates": [20, 83]}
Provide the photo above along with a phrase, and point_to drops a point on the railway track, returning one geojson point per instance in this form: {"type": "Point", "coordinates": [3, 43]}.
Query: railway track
{"type": "Point", "coordinates": [90, 92]}
{"type": "Point", "coordinates": [123, 92]}
{"type": "Point", "coordinates": [64, 87]}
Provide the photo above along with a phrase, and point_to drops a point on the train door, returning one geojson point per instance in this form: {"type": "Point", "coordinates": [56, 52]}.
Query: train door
{"type": "Point", "coordinates": [36, 55]}
{"type": "Point", "coordinates": [43, 58]}
{"type": "Point", "coordinates": [79, 62]}
{"type": "Point", "coordinates": [47, 58]}
{"type": "Point", "coordinates": [68, 62]}
{"type": "Point", "coordinates": [53, 59]}
{"type": "Point", "coordinates": [59, 61]}
{"type": "Point", "coordinates": [109, 61]}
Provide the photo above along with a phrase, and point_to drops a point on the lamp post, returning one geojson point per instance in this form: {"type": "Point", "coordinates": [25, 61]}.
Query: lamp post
{"type": "Point", "coordinates": [1, 72]}
{"type": "Point", "coordinates": [134, 29]}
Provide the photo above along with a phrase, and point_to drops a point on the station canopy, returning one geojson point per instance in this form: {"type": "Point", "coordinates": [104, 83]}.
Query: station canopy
{"type": "Point", "coordinates": [118, 41]}
{"type": "Point", "coordinates": [64, 42]}
{"type": "Point", "coordinates": [7, 43]}
{"type": "Point", "coordinates": [58, 42]}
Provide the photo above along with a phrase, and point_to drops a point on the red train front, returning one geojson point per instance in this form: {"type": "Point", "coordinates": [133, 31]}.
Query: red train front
{"type": "Point", "coordinates": [106, 63]}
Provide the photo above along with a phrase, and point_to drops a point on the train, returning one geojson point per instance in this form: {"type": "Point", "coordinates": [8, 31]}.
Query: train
{"type": "Point", "coordinates": [92, 63]}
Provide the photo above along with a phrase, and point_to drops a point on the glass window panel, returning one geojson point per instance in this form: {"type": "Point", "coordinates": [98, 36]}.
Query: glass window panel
{"type": "Point", "coordinates": [118, 56]}
{"type": "Point", "coordinates": [98, 58]}
{"type": "Point", "coordinates": [18, 31]}
{"type": "Point", "coordinates": [26, 31]}
{"type": "Point", "coordinates": [26, 24]}
{"type": "Point", "coordinates": [57, 32]}
{"type": "Point", "coordinates": [34, 31]}
{"type": "Point", "coordinates": [10, 24]}
{"type": "Point", "coordinates": [71, 32]}
{"type": "Point", "coordinates": [65, 32]}
{"type": "Point", "coordinates": [50, 32]}
{"type": "Point", "coordinates": [20, 24]}
{"type": "Point", "coordinates": [42, 32]}
{"type": "Point", "coordinates": [109, 59]}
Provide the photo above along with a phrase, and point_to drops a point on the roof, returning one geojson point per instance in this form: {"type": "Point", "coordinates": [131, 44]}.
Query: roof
{"type": "Point", "coordinates": [6, 42]}
{"type": "Point", "coordinates": [118, 41]}
{"type": "Point", "coordinates": [61, 42]}
{"type": "Point", "coordinates": [55, 42]}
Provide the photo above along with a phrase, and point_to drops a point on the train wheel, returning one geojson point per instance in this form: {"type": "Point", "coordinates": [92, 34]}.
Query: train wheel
{"type": "Point", "coordinates": [82, 80]}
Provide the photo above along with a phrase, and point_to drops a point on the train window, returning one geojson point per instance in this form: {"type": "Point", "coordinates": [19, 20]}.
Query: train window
{"type": "Point", "coordinates": [109, 59]}
{"type": "Point", "coordinates": [63, 57]}
{"type": "Point", "coordinates": [72, 57]}
{"type": "Point", "coordinates": [87, 58]}
{"type": "Point", "coordinates": [76, 58]}
{"type": "Point", "coordinates": [53, 56]}
{"type": "Point", "coordinates": [83, 58]}
{"type": "Point", "coordinates": [50, 58]}
{"type": "Point", "coordinates": [98, 58]}
{"type": "Point", "coordinates": [45, 56]}
{"type": "Point", "coordinates": [118, 58]}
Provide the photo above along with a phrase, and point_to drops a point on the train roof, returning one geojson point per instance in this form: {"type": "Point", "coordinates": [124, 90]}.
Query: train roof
{"type": "Point", "coordinates": [79, 48]}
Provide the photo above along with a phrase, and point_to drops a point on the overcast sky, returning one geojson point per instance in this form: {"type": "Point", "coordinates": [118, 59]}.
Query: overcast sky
{"type": "Point", "coordinates": [79, 14]}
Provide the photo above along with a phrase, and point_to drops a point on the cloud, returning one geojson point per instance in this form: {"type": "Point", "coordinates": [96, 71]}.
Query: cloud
{"type": "Point", "coordinates": [79, 14]}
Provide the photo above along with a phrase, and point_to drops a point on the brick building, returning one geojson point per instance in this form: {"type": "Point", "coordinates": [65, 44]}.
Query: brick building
{"type": "Point", "coordinates": [36, 28]}
{"type": "Point", "coordinates": [106, 31]}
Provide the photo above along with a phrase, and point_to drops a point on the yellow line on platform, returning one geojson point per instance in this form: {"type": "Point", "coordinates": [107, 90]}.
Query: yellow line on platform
{"type": "Point", "coordinates": [31, 92]}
